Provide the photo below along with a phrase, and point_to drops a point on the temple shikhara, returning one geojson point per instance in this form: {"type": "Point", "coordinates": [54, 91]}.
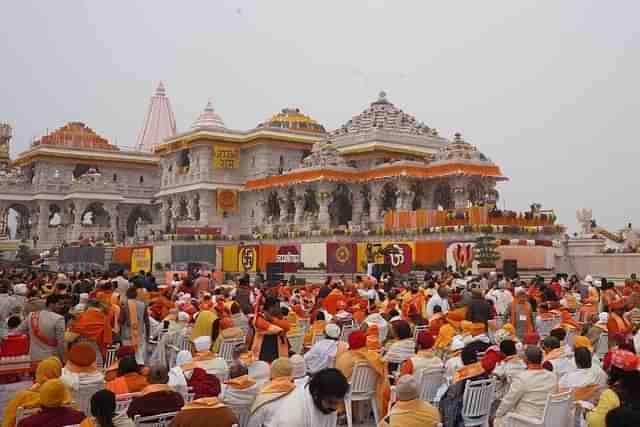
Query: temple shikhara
{"type": "Point", "coordinates": [383, 177]}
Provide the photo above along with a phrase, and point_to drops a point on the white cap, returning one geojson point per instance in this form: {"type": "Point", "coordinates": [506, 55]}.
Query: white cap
{"type": "Point", "coordinates": [202, 343]}
{"type": "Point", "coordinates": [332, 330]}
{"type": "Point", "coordinates": [84, 297]}
{"type": "Point", "coordinates": [183, 317]}
{"type": "Point", "coordinates": [603, 317]}
{"type": "Point", "coordinates": [20, 289]}
{"type": "Point", "coordinates": [588, 279]}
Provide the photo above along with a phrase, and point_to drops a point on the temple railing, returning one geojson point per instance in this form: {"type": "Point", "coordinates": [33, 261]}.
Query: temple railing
{"type": "Point", "coordinates": [476, 217]}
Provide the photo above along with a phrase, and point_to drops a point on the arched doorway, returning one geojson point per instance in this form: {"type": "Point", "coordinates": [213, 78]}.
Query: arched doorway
{"type": "Point", "coordinates": [95, 214]}
{"type": "Point", "coordinates": [341, 208]}
{"type": "Point", "coordinates": [137, 214]}
{"type": "Point", "coordinates": [19, 221]}
{"type": "Point", "coordinates": [55, 215]}
{"type": "Point", "coordinates": [273, 207]}
{"type": "Point", "coordinates": [442, 196]}
{"type": "Point", "coordinates": [389, 196]}
{"type": "Point", "coordinates": [418, 196]}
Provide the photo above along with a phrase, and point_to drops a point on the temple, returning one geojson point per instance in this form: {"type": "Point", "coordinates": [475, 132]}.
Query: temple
{"type": "Point", "coordinates": [382, 173]}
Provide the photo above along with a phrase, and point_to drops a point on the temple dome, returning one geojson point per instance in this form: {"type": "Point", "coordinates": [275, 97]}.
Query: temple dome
{"type": "Point", "coordinates": [76, 135]}
{"type": "Point", "coordinates": [292, 119]}
{"type": "Point", "coordinates": [382, 114]}
{"type": "Point", "coordinates": [459, 149]}
{"type": "Point", "coordinates": [208, 119]}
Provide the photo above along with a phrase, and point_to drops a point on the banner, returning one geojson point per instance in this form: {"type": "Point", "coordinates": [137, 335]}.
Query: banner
{"type": "Point", "coordinates": [399, 255]}
{"type": "Point", "coordinates": [226, 157]}
{"type": "Point", "coordinates": [460, 256]}
{"type": "Point", "coordinates": [289, 255]}
{"type": "Point", "coordinates": [248, 259]}
{"type": "Point", "coordinates": [226, 201]}
{"type": "Point", "coordinates": [342, 257]}
{"type": "Point", "coordinates": [141, 259]}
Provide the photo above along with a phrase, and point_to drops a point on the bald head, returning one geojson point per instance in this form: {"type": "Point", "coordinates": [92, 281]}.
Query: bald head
{"type": "Point", "coordinates": [407, 388]}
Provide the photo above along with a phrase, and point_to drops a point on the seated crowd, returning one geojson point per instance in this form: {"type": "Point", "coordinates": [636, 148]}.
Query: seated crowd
{"type": "Point", "coordinates": [108, 350]}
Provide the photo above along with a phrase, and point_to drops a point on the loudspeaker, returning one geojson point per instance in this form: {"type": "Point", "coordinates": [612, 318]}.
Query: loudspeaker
{"type": "Point", "coordinates": [275, 268]}
{"type": "Point", "coordinates": [378, 269]}
{"type": "Point", "coordinates": [510, 268]}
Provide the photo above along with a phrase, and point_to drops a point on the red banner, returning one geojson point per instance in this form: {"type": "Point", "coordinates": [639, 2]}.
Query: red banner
{"type": "Point", "coordinates": [399, 256]}
{"type": "Point", "coordinates": [342, 257]}
{"type": "Point", "coordinates": [289, 255]}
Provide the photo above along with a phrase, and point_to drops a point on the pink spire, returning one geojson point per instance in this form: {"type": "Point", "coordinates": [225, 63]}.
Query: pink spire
{"type": "Point", "coordinates": [159, 123]}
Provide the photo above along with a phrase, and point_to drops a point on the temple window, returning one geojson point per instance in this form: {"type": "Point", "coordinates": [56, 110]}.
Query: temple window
{"type": "Point", "coordinates": [281, 165]}
{"type": "Point", "coordinates": [184, 161]}
{"type": "Point", "coordinates": [253, 161]}
{"type": "Point", "coordinates": [115, 177]}
{"type": "Point", "coordinates": [141, 179]}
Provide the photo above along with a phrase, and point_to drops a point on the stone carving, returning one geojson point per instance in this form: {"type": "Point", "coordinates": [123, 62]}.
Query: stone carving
{"type": "Point", "coordinates": [585, 219]}
{"type": "Point", "coordinates": [323, 154]}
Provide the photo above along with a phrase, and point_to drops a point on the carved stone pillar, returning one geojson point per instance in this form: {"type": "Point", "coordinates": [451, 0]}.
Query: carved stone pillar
{"type": "Point", "coordinates": [324, 198]}
{"type": "Point", "coordinates": [357, 204]}
{"type": "Point", "coordinates": [282, 201]}
{"type": "Point", "coordinates": [4, 215]}
{"type": "Point", "coordinates": [298, 218]}
{"type": "Point", "coordinates": [375, 202]}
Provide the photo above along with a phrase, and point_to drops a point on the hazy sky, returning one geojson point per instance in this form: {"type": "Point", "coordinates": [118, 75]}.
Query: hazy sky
{"type": "Point", "coordinates": [549, 90]}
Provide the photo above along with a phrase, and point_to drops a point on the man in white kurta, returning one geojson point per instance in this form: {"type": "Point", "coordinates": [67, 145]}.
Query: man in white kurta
{"type": "Point", "coordinates": [529, 390]}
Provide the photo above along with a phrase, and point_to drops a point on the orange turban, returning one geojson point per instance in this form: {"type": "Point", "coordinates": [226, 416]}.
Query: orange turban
{"type": "Point", "coordinates": [445, 336]}
{"type": "Point", "coordinates": [226, 323]}
{"type": "Point", "coordinates": [82, 355]}
{"type": "Point", "coordinates": [373, 339]}
{"type": "Point", "coordinates": [582, 341]}
{"type": "Point", "coordinates": [617, 304]}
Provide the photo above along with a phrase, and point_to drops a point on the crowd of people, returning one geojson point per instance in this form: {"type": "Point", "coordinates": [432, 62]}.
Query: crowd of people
{"type": "Point", "coordinates": [296, 348]}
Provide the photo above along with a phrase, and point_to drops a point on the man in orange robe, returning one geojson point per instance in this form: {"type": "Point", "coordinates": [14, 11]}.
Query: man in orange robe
{"type": "Point", "coordinates": [270, 340]}
{"type": "Point", "coordinates": [617, 323]}
{"type": "Point", "coordinates": [94, 325]}
{"type": "Point", "coordinates": [330, 303]}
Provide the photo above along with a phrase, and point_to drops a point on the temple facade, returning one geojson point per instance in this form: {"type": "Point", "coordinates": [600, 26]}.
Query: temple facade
{"type": "Point", "coordinates": [287, 177]}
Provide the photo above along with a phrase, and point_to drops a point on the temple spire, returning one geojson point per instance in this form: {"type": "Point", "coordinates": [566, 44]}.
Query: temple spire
{"type": "Point", "coordinates": [159, 123]}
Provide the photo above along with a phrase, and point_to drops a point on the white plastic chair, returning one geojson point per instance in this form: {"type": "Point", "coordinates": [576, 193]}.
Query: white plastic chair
{"type": "Point", "coordinates": [361, 387]}
{"type": "Point", "coordinates": [243, 413]}
{"type": "Point", "coordinates": [303, 324]}
{"type": "Point", "coordinates": [22, 413]}
{"type": "Point", "coordinates": [160, 420]}
{"type": "Point", "coordinates": [188, 394]}
{"type": "Point", "coordinates": [124, 400]}
{"type": "Point", "coordinates": [110, 357]}
{"type": "Point", "coordinates": [227, 346]}
{"type": "Point", "coordinates": [602, 347]}
{"type": "Point", "coordinates": [545, 327]}
{"type": "Point", "coordinates": [429, 382]}
{"type": "Point", "coordinates": [82, 397]}
{"type": "Point", "coordinates": [296, 342]}
{"type": "Point", "coordinates": [316, 339]}
{"type": "Point", "coordinates": [570, 337]}
{"type": "Point", "coordinates": [420, 328]}
{"type": "Point", "coordinates": [557, 413]}
{"type": "Point", "coordinates": [346, 331]}
{"type": "Point", "coordinates": [476, 402]}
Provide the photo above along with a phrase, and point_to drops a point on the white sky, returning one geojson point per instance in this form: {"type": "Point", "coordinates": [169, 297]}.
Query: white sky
{"type": "Point", "coordinates": [548, 90]}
